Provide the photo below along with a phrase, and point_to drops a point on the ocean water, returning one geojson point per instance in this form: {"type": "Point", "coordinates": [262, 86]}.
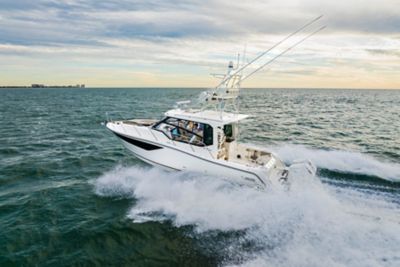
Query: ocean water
{"type": "Point", "coordinates": [71, 195]}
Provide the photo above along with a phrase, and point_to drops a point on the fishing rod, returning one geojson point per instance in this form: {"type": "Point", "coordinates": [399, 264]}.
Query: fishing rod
{"type": "Point", "coordinates": [281, 54]}
{"type": "Point", "coordinates": [268, 50]}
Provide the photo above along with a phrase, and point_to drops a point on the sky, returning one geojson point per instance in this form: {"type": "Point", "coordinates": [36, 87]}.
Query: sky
{"type": "Point", "coordinates": [170, 43]}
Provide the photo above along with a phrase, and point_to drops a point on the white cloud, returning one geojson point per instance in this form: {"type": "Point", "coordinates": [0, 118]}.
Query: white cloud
{"type": "Point", "coordinates": [197, 37]}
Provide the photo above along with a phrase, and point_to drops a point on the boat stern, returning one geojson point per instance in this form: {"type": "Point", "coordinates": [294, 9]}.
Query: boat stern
{"type": "Point", "coordinates": [281, 174]}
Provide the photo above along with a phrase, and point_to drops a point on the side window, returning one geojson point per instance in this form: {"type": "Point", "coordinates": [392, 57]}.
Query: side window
{"type": "Point", "coordinates": [228, 131]}
{"type": "Point", "coordinates": [191, 132]}
{"type": "Point", "coordinates": [208, 135]}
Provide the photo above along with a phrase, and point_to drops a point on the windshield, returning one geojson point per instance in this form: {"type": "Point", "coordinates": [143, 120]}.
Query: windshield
{"type": "Point", "coordinates": [186, 131]}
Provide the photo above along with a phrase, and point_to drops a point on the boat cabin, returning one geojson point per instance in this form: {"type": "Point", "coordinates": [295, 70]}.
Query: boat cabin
{"type": "Point", "coordinates": [200, 128]}
{"type": "Point", "coordinates": [186, 131]}
{"type": "Point", "coordinates": [216, 131]}
{"type": "Point", "coordinates": [195, 133]}
{"type": "Point", "coordinates": [207, 128]}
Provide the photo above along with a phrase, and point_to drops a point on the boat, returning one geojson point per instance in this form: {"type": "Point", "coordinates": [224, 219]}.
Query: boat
{"type": "Point", "coordinates": [203, 137]}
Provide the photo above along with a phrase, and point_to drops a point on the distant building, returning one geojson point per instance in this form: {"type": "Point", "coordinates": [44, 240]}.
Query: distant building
{"type": "Point", "coordinates": [37, 86]}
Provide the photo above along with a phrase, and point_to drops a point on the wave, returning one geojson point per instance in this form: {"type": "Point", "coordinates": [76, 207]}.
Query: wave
{"type": "Point", "coordinates": [310, 225]}
{"type": "Point", "coordinates": [342, 161]}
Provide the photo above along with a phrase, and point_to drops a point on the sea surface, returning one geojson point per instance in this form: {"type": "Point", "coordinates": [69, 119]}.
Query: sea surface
{"type": "Point", "coordinates": [71, 195]}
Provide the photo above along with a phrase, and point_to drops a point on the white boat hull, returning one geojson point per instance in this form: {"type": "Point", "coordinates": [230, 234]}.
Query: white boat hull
{"type": "Point", "coordinates": [150, 147]}
{"type": "Point", "coordinates": [173, 159]}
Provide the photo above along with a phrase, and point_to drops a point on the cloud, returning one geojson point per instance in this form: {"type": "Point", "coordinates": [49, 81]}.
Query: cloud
{"type": "Point", "coordinates": [158, 36]}
{"type": "Point", "coordinates": [77, 21]}
{"type": "Point", "coordinates": [386, 52]}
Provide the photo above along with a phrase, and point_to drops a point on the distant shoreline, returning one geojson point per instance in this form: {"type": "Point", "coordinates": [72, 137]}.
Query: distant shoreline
{"type": "Point", "coordinates": [44, 86]}
{"type": "Point", "coordinates": [188, 88]}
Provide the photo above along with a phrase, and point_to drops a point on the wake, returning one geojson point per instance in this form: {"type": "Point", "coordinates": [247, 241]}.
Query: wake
{"type": "Point", "coordinates": [312, 224]}
{"type": "Point", "coordinates": [342, 161]}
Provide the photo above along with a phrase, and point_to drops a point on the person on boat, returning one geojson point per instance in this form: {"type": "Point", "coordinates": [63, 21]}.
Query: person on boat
{"type": "Point", "coordinates": [198, 129]}
{"type": "Point", "coordinates": [189, 125]}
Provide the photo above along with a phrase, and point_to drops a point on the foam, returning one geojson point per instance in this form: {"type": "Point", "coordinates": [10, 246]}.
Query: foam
{"type": "Point", "coordinates": [343, 161]}
{"type": "Point", "coordinates": [311, 225]}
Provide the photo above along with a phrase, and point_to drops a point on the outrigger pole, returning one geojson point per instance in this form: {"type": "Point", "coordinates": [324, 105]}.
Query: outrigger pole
{"type": "Point", "coordinates": [281, 54]}
{"type": "Point", "coordinates": [228, 77]}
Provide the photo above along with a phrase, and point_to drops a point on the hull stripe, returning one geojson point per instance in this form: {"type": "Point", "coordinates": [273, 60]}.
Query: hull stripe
{"type": "Point", "coordinates": [135, 142]}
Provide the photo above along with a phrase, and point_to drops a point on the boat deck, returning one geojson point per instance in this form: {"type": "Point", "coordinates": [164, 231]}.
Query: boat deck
{"type": "Point", "coordinates": [244, 154]}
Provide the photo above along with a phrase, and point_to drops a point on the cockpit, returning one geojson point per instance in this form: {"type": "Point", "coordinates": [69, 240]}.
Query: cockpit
{"type": "Point", "coordinates": [186, 131]}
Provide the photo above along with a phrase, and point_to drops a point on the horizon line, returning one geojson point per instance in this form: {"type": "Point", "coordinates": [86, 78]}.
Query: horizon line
{"type": "Point", "coordinates": [196, 87]}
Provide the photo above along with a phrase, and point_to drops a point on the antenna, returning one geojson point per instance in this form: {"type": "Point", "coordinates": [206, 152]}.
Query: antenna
{"type": "Point", "coordinates": [281, 54]}
{"type": "Point", "coordinates": [266, 51]}
{"type": "Point", "coordinates": [226, 93]}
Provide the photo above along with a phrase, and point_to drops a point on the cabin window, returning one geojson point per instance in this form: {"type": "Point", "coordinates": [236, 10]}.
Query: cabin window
{"type": "Point", "coordinates": [228, 131]}
{"type": "Point", "coordinates": [208, 135]}
{"type": "Point", "coordinates": [185, 131]}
